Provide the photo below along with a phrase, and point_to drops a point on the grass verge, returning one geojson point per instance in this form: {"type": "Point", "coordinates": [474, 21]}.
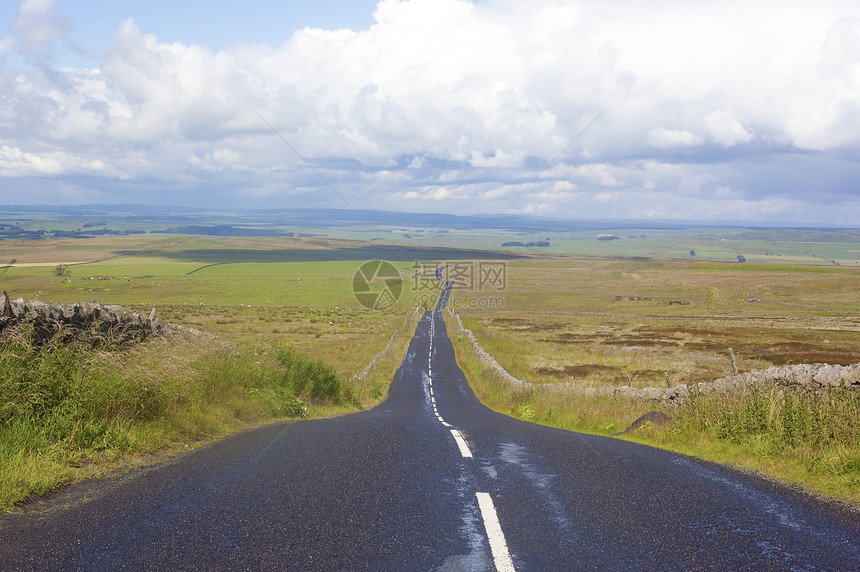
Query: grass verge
{"type": "Point", "coordinates": [798, 435]}
{"type": "Point", "coordinates": [809, 438]}
{"type": "Point", "coordinates": [69, 411]}
{"type": "Point", "coordinates": [78, 409]}
{"type": "Point", "coordinates": [371, 386]}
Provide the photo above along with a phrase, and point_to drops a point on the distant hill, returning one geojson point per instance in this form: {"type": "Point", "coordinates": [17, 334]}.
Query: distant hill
{"type": "Point", "coordinates": [87, 220]}
{"type": "Point", "coordinates": [803, 235]}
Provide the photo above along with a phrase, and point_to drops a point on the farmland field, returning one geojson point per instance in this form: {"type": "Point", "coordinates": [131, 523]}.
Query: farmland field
{"type": "Point", "coordinates": [286, 290]}
{"type": "Point", "coordinates": [642, 312]}
{"type": "Point", "coordinates": [597, 321]}
{"type": "Point", "coordinates": [568, 324]}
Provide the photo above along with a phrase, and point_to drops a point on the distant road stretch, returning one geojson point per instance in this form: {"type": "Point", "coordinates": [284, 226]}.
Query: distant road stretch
{"type": "Point", "coordinates": [432, 480]}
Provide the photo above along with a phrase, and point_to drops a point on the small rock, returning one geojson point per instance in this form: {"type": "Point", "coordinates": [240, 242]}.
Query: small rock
{"type": "Point", "coordinates": [653, 417]}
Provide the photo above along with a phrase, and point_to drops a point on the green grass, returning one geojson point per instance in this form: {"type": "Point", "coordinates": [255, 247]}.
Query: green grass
{"type": "Point", "coordinates": [68, 411]}
{"type": "Point", "coordinates": [808, 437]}
{"type": "Point", "coordinates": [62, 421]}
{"type": "Point", "coordinates": [592, 320]}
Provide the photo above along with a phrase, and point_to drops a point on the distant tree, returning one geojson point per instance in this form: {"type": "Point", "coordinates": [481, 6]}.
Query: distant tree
{"type": "Point", "coordinates": [692, 253]}
{"type": "Point", "coordinates": [62, 270]}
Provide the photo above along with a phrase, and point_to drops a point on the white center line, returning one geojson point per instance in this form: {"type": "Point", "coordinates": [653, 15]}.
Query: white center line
{"type": "Point", "coordinates": [498, 545]}
{"type": "Point", "coordinates": [495, 536]}
{"type": "Point", "coordinates": [461, 443]}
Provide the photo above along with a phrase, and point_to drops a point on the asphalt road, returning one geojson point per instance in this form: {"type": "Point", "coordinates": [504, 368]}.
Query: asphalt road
{"type": "Point", "coordinates": [432, 480]}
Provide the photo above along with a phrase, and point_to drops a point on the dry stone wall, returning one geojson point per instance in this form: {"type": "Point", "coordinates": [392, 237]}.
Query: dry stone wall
{"type": "Point", "coordinates": [48, 320]}
{"type": "Point", "coordinates": [813, 375]}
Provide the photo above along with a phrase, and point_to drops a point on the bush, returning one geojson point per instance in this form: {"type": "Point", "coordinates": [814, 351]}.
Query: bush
{"type": "Point", "coordinates": [62, 270]}
{"type": "Point", "coordinates": [313, 379]}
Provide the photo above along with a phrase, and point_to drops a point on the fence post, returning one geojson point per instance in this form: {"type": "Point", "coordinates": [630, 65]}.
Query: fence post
{"type": "Point", "coordinates": [734, 365]}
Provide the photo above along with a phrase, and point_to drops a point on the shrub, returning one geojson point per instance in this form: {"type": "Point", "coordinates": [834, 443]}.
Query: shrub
{"type": "Point", "coordinates": [62, 270]}
{"type": "Point", "coordinates": [311, 378]}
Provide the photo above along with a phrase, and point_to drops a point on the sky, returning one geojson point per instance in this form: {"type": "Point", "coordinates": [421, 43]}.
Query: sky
{"type": "Point", "coordinates": [703, 110]}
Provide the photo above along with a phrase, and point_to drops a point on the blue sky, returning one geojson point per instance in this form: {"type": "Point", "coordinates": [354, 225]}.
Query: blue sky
{"type": "Point", "coordinates": [708, 110]}
{"type": "Point", "coordinates": [91, 25]}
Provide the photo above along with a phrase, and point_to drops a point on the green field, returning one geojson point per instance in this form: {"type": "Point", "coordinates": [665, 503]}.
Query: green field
{"type": "Point", "coordinates": [676, 316]}
{"type": "Point", "coordinates": [581, 313]}
{"type": "Point", "coordinates": [67, 412]}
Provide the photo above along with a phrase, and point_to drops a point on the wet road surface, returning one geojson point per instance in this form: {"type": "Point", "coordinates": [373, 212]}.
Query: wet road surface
{"type": "Point", "coordinates": [432, 480]}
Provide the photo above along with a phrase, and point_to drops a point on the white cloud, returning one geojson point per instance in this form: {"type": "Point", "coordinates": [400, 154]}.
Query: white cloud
{"type": "Point", "coordinates": [604, 197]}
{"type": "Point", "coordinates": [564, 186]}
{"type": "Point", "coordinates": [456, 102]}
{"type": "Point", "coordinates": [498, 159]}
{"type": "Point", "coordinates": [439, 193]}
{"type": "Point", "coordinates": [540, 208]}
{"type": "Point", "coordinates": [417, 162]}
{"type": "Point", "coordinates": [725, 129]}
{"type": "Point", "coordinates": [38, 25]}
{"type": "Point", "coordinates": [15, 162]}
{"type": "Point", "coordinates": [600, 174]}
{"type": "Point", "coordinates": [7, 44]}
{"type": "Point", "coordinates": [825, 107]}
{"type": "Point", "coordinates": [668, 138]}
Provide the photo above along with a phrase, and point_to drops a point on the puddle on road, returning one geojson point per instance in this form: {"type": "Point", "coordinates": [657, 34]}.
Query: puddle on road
{"type": "Point", "coordinates": [520, 457]}
{"type": "Point", "coordinates": [471, 530]}
{"type": "Point", "coordinates": [425, 386]}
{"type": "Point", "coordinates": [782, 514]}
{"type": "Point", "coordinates": [489, 470]}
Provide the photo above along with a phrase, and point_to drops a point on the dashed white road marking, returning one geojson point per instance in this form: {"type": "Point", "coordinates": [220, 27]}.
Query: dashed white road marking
{"type": "Point", "coordinates": [495, 536]}
{"type": "Point", "coordinates": [461, 443]}
{"type": "Point", "coordinates": [498, 545]}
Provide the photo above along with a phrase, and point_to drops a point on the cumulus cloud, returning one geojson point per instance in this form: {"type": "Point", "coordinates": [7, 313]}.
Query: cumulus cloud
{"type": "Point", "coordinates": [668, 138]}
{"type": "Point", "coordinates": [452, 102]}
{"type": "Point", "coordinates": [38, 24]}
{"type": "Point", "coordinates": [14, 162]}
{"type": "Point", "coordinates": [725, 129]}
